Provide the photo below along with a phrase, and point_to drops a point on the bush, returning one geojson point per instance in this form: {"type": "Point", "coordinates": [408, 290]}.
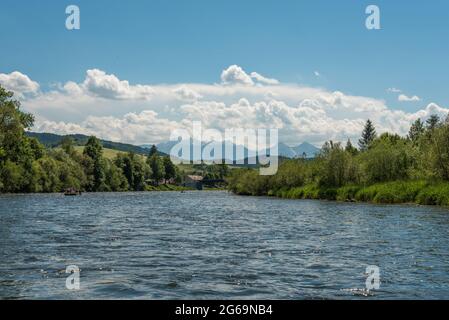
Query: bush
{"type": "Point", "coordinates": [347, 193]}
{"type": "Point", "coordinates": [166, 187]}
{"type": "Point", "coordinates": [311, 192]}
{"type": "Point", "coordinates": [327, 193]}
{"type": "Point", "coordinates": [399, 192]}
{"type": "Point", "coordinates": [296, 193]}
{"type": "Point", "coordinates": [434, 195]}
{"type": "Point", "coordinates": [367, 194]}
{"type": "Point", "coordinates": [307, 192]}
{"type": "Point", "coordinates": [391, 192]}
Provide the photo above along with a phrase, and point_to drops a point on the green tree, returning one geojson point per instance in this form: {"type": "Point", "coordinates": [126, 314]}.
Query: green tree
{"type": "Point", "coordinates": [13, 123]}
{"type": "Point", "coordinates": [49, 180]}
{"type": "Point", "coordinates": [71, 170]}
{"type": "Point", "coordinates": [140, 173]}
{"type": "Point", "coordinates": [350, 148]}
{"type": "Point", "coordinates": [335, 167]}
{"type": "Point", "coordinates": [12, 176]}
{"type": "Point", "coordinates": [135, 170]}
{"type": "Point", "coordinates": [153, 151]}
{"type": "Point", "coordinates": [368, 136]}
{"type": "Point", "coordinates": [433, 122]}
{"type": "Point", "coordinates": [115, 179]}
{"type": "Point", "coordinates": [169, 169]}
{"type": "Point", "coordinates": [37, 149]}
{"type": "Point", "coordinates": [157, 168]}
{"type": "Point", "coordinates": [94, 151]}
{"type": "Point", "coordinates": [93, 148]}
{"type": "Point", "coordinates": [68, 145]}
{"type": "Point", "coordinates": [416, 131]}
{"type": "Point", "coordinates": [291, 173]}
{"type": "Point", "coordinates": [439, 152]}
{"type": "Point", "coordinates": [17, 152]}
{"type": "Point", "coordinates": [126, 164]}
{"type": "Point", "coordinates": [388, 159]}
{"type": "Point", "coordinates": [248, 182]}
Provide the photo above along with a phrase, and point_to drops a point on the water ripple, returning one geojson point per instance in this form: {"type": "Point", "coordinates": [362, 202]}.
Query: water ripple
{"type": "Point", "coordinates": [214, 245]}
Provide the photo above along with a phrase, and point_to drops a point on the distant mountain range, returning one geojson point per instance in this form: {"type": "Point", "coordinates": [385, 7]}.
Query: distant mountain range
{"type": "Point", "coordinates": [304, 150]}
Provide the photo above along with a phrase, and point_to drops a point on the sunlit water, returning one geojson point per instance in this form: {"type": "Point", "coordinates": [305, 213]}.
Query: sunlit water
{"type": "Point", "coordinates": [214, 245]}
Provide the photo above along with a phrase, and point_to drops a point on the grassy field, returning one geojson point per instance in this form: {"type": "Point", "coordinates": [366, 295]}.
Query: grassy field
{"type": "Point", "coordinates": [107, 153]}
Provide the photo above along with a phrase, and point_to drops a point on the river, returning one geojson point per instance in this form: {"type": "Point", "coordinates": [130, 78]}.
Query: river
{"type": "Point", "coordinates": [215, 245]}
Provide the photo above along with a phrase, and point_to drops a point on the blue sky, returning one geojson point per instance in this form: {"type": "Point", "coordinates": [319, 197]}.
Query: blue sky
{"type": "Point", "coordinates": [169, 42]}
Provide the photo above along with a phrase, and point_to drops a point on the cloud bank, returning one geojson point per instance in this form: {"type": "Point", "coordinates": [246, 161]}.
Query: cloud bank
{"type": "Point", "coordinates": [112, 108]}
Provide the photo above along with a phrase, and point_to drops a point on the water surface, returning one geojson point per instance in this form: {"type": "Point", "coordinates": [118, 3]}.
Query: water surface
{"type": "Point", "coordinates": [214, 245]}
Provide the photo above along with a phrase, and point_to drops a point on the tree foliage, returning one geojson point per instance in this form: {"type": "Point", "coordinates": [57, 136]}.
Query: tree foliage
{"type": "Point", "coordinates": [368, 136]}
{"type": "Point", "coordinates": [156, 164]}
{"type": "Point", "coordinates": [422, 156]}
{"type": "Point", "coordinates": [27, 166]}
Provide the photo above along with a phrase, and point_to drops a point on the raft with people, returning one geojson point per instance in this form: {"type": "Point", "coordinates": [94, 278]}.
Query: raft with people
{"type": "Point", "coordinates": [72, 192]}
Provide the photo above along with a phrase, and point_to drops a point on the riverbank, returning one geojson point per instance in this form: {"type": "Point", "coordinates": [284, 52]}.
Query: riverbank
{"type": "Point", "coordinates": [172, 187]}
{"type": "Point", "coordinates": [167, 187]}
{"type": "Point", "coordinates": [397, 192]}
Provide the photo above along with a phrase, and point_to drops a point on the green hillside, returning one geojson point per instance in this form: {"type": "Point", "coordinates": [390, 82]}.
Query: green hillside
{"type": "Point", "coordinates": [107, 153]}
{"type": "Point", "coordinates": [53, 140]}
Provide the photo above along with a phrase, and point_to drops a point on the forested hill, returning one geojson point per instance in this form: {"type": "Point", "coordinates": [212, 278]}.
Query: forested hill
{"type": "Point", "coordinates": [53, 140]}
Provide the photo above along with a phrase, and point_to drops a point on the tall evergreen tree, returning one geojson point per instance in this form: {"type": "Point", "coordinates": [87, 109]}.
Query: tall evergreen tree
{"type": "Point", "coordinates": [157, 168]}
{"type": "Point", "coordinates": [350, 148]}
{"type": "Point", "coordinates": [368, 136]}
{"type": "Point", "coordinates": [94, 150]}
{"type": "Point", "coordinates": [416, 130]}
{"type": "Point", "coordinates": [432, 122]}
{"type": "Point", "coordinates": [153, 151]}
{"type": "Point", "coordinates": [169, 169]}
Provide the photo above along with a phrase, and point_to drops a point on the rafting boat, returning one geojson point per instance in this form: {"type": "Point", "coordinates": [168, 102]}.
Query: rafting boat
{"type": "Point", "coordinates": [72, 192]}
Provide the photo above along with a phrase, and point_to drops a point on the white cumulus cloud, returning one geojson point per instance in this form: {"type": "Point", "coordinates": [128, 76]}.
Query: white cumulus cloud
{"type": "Point", "coordinates": [405, 98]}
{"type": "Point", "coordinates": [19, 83]}
{"type": "Point", "coordinates": [263, 80]}
{"type": "Point", "coordinates": [108, 86]}
{"type": "Point", "coordinates": [187, 94]}
{"type": "Point", "coordinates": [235, 75]}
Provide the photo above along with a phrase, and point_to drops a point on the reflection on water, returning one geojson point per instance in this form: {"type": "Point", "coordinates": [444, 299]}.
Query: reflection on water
{"type": "Point", "coordinates": [207, 245]}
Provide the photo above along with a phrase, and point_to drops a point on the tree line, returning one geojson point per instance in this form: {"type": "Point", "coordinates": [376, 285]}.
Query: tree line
{"type": "Point", "coordinates": [384, 168]}
{"type": "Point", "coordinates": [27, 166]}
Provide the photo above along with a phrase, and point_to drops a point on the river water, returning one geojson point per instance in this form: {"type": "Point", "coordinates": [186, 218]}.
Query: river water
{"type": "Point", "coordinates": [215, 245]}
